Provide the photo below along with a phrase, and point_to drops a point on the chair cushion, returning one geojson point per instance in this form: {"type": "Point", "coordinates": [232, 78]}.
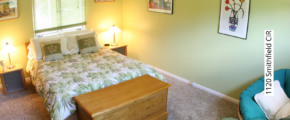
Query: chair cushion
{"type": "Point", "coordinates": [249, 108]}
{"type": "Point", "coordinates": [284, 112]}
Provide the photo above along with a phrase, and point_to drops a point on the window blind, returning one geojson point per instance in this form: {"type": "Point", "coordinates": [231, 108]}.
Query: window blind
{"type": "Point", "coordinates": [58, 14]}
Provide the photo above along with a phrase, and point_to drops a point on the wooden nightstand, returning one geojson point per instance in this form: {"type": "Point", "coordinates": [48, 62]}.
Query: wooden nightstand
{"type": "Point", "coordinates": [122, 49]}
{"type": "Point", "coordinates": [13, 80]}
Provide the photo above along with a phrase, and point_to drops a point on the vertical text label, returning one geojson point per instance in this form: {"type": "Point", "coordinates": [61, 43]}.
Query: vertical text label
{"type": "Point", "coordinates": [269, 62]}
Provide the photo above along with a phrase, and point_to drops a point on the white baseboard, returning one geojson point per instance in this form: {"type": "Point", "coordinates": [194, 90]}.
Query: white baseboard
{"type": "Point", "coordinates": [199, 86]}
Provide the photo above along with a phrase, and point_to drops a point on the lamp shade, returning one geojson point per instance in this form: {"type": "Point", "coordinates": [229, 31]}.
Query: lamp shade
{"type": "Point", "coordinates": [8, 48]}
{"type": "Point", "coordinates": [114, 29]}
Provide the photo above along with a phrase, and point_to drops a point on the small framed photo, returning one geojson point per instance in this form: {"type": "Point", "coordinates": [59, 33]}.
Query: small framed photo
{"type": "Point", "coordinates": [8, 9]}
{"type": "Point", "coordinates": [98, 1]}
{"type": "Point", "coordinates": [161, 6]}
{"type": "Point", "coordinates": [234, 18]}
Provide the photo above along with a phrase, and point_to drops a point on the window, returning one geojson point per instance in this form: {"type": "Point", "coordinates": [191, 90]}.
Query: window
{"type": "Point", "coordinates": [53, 15]}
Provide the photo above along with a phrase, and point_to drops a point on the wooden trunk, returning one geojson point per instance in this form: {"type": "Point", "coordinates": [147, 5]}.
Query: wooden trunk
{"type": "Point", "coordinates": [142, 98]}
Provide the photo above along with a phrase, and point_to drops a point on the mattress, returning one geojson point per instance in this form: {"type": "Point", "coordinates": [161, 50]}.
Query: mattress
{"type": "Point", "coordinates": [58, 81]}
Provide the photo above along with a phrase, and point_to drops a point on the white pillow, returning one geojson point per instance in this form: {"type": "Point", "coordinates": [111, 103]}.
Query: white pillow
{"type": "Point", "coordinates": [65, 34]}
{"type": "Point", "coordinates": [72, 44]}
{"type": "Point", "coordinates": [283, 112]}
{"type": "Point", "coordinates": [37, 51]}
{"type": "Point", "coordinates": [271, 104]}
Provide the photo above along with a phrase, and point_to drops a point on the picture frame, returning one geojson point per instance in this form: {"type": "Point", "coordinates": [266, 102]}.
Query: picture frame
{"type": "Point", "coordinates": [8, 10]}
{"type": "Point", "coordinates": [234, 18]}
{"type": "Point", "coordinates": [100, 1]}
{"type": "Point", "coordinates": [160, 6]}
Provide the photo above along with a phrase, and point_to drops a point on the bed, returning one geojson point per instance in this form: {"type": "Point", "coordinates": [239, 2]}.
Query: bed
{"type": "Point", "coordinates": [60, 80]}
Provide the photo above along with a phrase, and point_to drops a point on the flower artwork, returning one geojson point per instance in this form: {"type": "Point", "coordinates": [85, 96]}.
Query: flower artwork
{"type": "Point", "coordinates": [162, 6]}
{"type": "Point", "coordinates": [8, 9]}
{"type": "Point", "coordinates": [234, 17]}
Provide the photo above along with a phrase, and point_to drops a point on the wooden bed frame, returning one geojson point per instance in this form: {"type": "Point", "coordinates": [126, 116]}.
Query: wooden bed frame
{"type": "Point", "coordinates": [27, 50]}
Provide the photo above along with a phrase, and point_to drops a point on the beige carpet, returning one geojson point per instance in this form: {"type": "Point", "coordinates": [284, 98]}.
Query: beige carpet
{"type": "Point", "coordinates": [185, 102]}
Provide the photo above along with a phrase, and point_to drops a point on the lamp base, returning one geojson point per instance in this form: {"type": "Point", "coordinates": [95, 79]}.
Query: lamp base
{"type": "Point", "coordinates": [10, 66]}
{"type": "Point", "coordinates": [114, 44]}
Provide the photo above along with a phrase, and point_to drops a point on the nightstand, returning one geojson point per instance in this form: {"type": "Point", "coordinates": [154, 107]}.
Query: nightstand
{"type": "Point", "coordinates": [122, 49]}
{"type": "Point", "coordinates": [13, 80]}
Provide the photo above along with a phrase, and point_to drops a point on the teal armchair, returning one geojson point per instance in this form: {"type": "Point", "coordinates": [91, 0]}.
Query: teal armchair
{"type": "Point", "coordinates": [249, 109]}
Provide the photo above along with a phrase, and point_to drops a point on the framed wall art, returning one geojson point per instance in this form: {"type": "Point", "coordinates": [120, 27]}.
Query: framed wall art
{"type": "Point", "coordinates": [8, 9]}
{"type": "Point", "coordinates": [99, 1]}
{"type": "Point", "coordinates": [161, 6]}
{"type": "Point", "coordinates": [234, 18]}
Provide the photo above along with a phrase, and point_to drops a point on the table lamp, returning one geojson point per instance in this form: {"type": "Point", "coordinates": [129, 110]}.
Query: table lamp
{"type": "Point", "coordinates": [114, 29]}
{"type": "Point", "coordinates": [8, 48]}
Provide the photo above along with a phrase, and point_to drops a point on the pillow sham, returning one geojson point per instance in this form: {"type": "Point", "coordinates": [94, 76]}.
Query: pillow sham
{"type": "Point", "coordinates": [73, 33]}
{"type": "Point", "coordinates": [284, 112]}
{"type": "Point", "coordinates": [51, 50]}
{"type": "Point", "coordinates": [31, 47]}
{"type": "Point", "coordinates": [87, 43]}
{"type": "Point", "coordinates": [37, 51]}
{"type": "Point", "coordinates": [271, 104]}
{"type": "Point", "coordinates": [73, 45]}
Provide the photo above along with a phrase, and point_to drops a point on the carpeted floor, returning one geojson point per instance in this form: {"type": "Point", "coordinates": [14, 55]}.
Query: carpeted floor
{"type": "Point", "coordinates": [185, 102]}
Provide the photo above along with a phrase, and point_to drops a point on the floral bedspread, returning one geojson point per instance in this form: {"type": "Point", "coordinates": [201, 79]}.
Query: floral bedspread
{"type": "Point", "coordinates": [58, 81]}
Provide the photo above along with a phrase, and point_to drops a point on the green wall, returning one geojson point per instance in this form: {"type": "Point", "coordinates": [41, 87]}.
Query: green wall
{"type": "Point", "coordinates": [188, 45]}
{"type": "Point", "coordinates": [100, 16]}
{"type": "Point", "coordinates": [17, 32]}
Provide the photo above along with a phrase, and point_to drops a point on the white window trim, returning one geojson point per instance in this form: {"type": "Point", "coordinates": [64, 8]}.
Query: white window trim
{"type": "Point", "coordinates": [59, 32]}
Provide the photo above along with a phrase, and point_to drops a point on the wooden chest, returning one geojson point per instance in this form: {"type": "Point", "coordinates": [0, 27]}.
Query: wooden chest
{"type": "Point", "coordinates": [142, 98]}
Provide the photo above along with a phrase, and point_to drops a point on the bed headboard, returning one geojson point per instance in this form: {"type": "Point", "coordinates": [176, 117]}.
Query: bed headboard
{"type": "Point", "coordinates": [27, 50]}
